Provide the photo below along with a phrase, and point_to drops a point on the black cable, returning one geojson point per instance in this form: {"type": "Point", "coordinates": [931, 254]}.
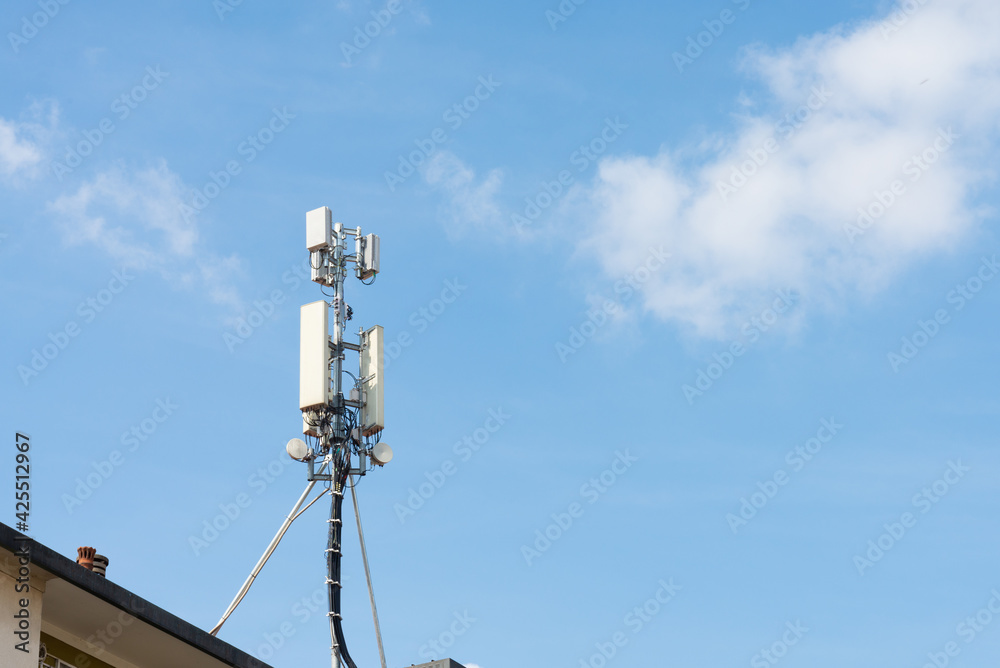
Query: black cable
{"type": "Point", "coordinates": [333, 556]}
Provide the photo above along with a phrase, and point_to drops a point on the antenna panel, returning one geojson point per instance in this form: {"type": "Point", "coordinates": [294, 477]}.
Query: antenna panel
{"type": "Point", "coordinates": [314, 356]}
{"type": "Point", "coordinates": [319, 234]}
{"type": "Point", "coordinates": [372, 370]}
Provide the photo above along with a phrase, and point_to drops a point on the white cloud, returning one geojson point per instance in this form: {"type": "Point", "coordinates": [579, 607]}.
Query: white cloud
{"type": "Point", "coordinates": [471, 204]}
{"type": "Point", "coordinates": [17, 153]}
{"type": "Point", "coordinates": [894, 89]}
{"type": "Point", "coordinates": [136, 219]}
{"type": "Point", "coordinates": [23, 143]}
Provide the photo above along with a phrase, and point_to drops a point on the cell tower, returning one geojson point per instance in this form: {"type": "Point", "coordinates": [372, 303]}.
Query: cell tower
{"type": "Point", "coordinates": [339, 428]}
{"type": "Point", "coordinates": [343, 434]}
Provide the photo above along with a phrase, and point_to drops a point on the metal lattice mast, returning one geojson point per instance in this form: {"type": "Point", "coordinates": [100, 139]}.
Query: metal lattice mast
{"type": "Point", "coordinates": [342, 427]}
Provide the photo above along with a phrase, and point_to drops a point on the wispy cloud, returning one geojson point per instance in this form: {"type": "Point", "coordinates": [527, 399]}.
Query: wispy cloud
{"type": "Point", "coordinates": [470, 203]}
{"type": "Point", "coordinates": [24, 142]}
{"type": "Point", "coordinates": [770, 207]}
{"type": "Point", "coordinates": [136, 219]}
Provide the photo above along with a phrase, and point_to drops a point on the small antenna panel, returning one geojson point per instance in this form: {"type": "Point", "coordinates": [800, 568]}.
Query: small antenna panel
{"type": "Point", "coordinates": [319, 231]}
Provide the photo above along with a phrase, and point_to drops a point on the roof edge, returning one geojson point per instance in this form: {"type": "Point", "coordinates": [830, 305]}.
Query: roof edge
{"type": "Point", "coordinates": [116, 595]}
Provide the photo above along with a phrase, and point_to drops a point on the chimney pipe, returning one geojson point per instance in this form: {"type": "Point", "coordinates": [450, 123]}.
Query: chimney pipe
{"type": "Point", "coordinates": [85, 557]}
{"type": "Point", "coordinates": [89, 559]}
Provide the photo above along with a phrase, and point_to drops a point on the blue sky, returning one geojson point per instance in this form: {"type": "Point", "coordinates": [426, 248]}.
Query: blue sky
{"type": "Point", "coordinates": [757, 240]}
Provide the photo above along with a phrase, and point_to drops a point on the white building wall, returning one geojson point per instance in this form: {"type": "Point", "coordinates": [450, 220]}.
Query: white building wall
{"type": "Point", "coordinates": [19, 586]}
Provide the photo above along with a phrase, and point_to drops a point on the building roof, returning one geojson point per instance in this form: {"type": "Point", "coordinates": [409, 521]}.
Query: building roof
{"type": "Point", "coordinates": [79, 602]}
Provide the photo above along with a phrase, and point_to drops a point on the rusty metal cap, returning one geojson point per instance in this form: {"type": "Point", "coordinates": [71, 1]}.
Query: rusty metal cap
{"type": "Point", "coordinates": [85, 557]}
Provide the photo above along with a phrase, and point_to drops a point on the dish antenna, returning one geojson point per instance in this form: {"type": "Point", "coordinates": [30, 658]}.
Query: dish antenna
{"type": "Point", "coordinates": [297, 449]}
{"type": "Point", "coordinates": [381, 454]}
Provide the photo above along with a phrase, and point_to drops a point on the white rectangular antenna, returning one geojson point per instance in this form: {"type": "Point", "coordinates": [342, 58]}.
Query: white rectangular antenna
{"type": "Point", "coordinates": [373, 383]}
{"type": "Point", "coordinates": [368, 262]}
{"type": "Point", "coordinates": [319, 231]}
{"type": "Point", "coordinates": [314, 356]}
